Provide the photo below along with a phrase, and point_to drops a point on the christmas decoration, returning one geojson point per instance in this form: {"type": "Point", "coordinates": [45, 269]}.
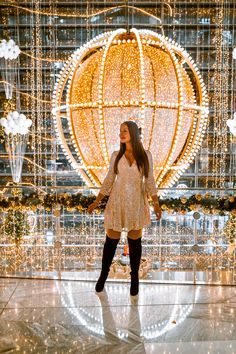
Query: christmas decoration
{"type": "Point", "coordinates": [78, 202]}
{"type": "Point", "coordinates": [138, 75]}
{"type": "Point", "coordinates": [16, 225]}
{"type": "Point", "coordinates": [16, 127]}
{"type": "Point", "coordinates": [230, 232]}
{"type": "Point", "coordinates": [9, 52]}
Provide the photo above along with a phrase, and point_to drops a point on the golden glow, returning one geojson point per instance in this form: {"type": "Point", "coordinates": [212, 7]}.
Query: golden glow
{"type": "Point", "coordinates": [141, 75]}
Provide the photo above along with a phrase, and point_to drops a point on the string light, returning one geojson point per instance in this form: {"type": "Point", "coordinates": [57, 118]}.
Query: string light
{"type": "Point", "coordinates": [28, 95]}
{"type": "Point", "coordinates": [220, 102]}
{"type": "Point", "coordinates": [136, 99]}
{"type": "Point", "coordinates": [83, 15]}
{"type": "Point", "coordinates": [49, 60]}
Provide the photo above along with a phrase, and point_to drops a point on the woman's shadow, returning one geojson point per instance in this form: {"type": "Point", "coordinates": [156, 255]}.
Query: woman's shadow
{"type": "Point", "coordinates": [122, 340]}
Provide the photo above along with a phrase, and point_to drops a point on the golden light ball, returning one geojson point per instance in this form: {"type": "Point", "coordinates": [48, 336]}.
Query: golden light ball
{"type": "Point", "coordinates": [137, 75]}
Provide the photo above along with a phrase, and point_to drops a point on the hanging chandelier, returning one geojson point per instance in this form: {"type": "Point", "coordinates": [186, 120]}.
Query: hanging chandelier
{"type": "Point", "coordinates": [138, 75]}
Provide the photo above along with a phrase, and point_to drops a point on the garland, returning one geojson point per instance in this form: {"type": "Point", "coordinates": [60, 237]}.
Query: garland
{"type": "Point", "coordinates": [2, 135]}
{"type": "Point", "coordinates": [16, 225]}
{"type": "Point", "coordinates": [230, 229]}
{"type": "Point", "coordinates": [207, 203]}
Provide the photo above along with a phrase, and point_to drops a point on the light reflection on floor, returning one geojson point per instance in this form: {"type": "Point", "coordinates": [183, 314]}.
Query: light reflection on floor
{"type": "Point", "coordinates": [49, 316]}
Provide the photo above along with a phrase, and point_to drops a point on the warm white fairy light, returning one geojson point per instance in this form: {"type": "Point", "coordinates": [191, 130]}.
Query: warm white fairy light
{"type": "Point", "coordinates": [101, 106]}
{"type": "Point", "coordinates": [100, 92]}
{"type": "Point", "coordinates": [195, 140]}
{"type": "Point", "coordinates": [142, 77]}
{"type": "Point", "coordinates": [180, 109]}
{"type": "Point", "coordinates": [66, 72]}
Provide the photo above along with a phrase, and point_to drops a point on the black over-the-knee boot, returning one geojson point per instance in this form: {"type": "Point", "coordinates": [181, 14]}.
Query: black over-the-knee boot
{"type": "Point", "coordinates": [135, 252]}
{"type": "Point", "coordinates": [109, 250]}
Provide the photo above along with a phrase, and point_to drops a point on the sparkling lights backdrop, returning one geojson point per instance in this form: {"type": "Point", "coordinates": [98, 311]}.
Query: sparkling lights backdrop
{"type": "Point", "coordinates": [48, 33]}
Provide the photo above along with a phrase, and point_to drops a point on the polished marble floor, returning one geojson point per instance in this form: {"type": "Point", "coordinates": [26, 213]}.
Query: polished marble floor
{"type": "Point", "coordinates": [49, 316]}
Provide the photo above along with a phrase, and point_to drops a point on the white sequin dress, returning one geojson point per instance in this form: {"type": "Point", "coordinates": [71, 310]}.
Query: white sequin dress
{"type": "Point", "coordinates": [127, 207]}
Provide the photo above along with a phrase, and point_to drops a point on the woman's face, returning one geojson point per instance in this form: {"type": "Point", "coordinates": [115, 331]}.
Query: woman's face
{"type": "Point", "coordinates": [124, 134]}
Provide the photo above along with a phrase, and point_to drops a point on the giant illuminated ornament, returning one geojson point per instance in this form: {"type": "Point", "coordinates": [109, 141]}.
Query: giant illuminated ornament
{"type": "Point", "coordinates": [138, 75]}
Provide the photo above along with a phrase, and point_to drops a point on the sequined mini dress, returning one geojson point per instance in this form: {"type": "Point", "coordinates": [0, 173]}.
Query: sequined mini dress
{"type": "Point", "coordinates": [127, 207]}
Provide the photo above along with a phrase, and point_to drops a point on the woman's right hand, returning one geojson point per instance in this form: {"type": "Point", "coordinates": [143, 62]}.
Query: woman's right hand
{"type": "Point", "coordinates": [91, 207]}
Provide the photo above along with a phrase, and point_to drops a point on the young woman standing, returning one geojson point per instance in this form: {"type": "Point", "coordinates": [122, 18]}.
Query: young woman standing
{"type": "Point", "coordinates": [128, 182]}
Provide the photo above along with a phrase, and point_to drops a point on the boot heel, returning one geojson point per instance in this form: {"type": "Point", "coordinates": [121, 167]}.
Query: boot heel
{"type": "Point", "coordinates": [100, 284]}
{"type": "Point", "coordinates": [134, 288]}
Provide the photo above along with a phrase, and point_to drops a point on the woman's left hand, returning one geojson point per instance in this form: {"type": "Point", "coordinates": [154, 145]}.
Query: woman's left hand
{"type": "Point", "coordinates": [158, 211]}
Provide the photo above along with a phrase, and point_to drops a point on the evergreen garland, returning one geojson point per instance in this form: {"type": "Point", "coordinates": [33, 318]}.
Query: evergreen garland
{"type": "Point", "coordinates": [207, 203]}
{"type": "Point", "coordinates": [16, 225]}
{"type": "Point", "coordinates": [230, 229]}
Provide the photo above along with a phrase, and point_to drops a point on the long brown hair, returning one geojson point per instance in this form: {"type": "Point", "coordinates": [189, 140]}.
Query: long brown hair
{"type": "Point", "coordinates": [138, 149]}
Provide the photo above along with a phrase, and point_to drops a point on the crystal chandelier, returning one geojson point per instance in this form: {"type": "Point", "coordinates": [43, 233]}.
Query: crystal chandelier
{"type": "Point", "coordinates": [138, 75]}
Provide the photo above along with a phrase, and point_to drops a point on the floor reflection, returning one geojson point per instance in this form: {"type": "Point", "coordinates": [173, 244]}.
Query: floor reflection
{"type": "Point", "coordinates": [152, 327]}
{"type": "Point", "coordinates": [43, 316]}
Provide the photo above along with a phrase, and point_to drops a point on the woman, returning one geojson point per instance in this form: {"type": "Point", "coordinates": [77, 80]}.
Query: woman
{"type": "Point", "coordinates": [128, 181]}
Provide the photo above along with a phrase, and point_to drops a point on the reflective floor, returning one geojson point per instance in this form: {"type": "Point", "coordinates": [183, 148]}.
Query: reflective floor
{"type": "Point", "coordinates": [47, 316]}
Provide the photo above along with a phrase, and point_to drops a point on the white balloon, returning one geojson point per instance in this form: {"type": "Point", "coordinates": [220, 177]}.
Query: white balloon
{"type": "Point", "coordinates": [233, 131]}
{"type": "Point", "coordinates": [29, 122]}
{"type": "Point", "coordinates": [23, 130]}
{"type": "Point", "coordinates": [16, 123]}
{"type": "Point", "coordinates": [16, 50]}
{"type": "Point", "coordinates": [11, 124]}
{"type": "Point", "coordinates": [7, 130]}
{"type": "Point", "coordinates": [9, 50]}
{"type": "Point", "coordinates": [6, 55]}
{"type": "Point", "coordinates": [22, 116]}
{"type": "Point", "coordinates": [4, 52]}
{"type": "Point", "coordinates": [9, 116]}
{"type": "Point", "coordinates": [15, 115]}
{"type": "Point", "coordinates": [11, 43]}
{"type": "Point", "coordinates": [13, 55]}
{"type": "Point", "coordinates": [3, 45]}
{"type": "Point", "coordinates": [231, 122]}
{"type": "Point", "coordinates": [20, 121]}
{"type": "Point", "coordinates": [3, 122]}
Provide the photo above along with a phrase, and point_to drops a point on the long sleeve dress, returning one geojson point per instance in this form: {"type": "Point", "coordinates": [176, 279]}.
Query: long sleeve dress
{"type": "Point", "coordinates": [127, 208]}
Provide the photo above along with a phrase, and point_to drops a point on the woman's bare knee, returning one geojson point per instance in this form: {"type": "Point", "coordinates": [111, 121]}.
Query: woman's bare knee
{"type": "Point", "coordinates": [135, 234]}
{"type": "Point", "coordinates": [113, 234]}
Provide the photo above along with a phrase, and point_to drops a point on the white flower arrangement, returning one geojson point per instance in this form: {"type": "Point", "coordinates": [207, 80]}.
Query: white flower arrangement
{"type": "Point", "coordinates": [16, 123]}
{"type": "Point", "coordinates": [9, 49]}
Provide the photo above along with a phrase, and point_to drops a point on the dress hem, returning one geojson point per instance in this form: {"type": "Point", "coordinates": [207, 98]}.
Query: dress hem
{"type": "Point", "coordinates": [110, 227]}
